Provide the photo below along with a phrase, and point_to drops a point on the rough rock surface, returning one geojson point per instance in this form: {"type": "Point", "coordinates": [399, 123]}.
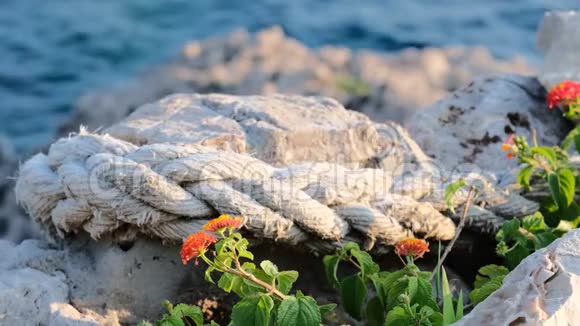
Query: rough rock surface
{"type": "Point", "coordinates": [468, 127]}
{"type": "Point", "coordinates": [543, 290]}
{"type": "Point", "coordinates": [14, 224]}
{"type": "Point", "coordinates": [122, 283]}
{"type": "Point", "coordinates": [559, 39]}
{"type": "Point", "coordinates": [89, 283]}
{"type": "Point", "coordinates": [111, 284]}
{"type": "Point", "coordinates": [278, 129]}
{"type": "Point", "coordinates": [299, 169]}
{"type": "Point", "coordinates": [381, 86]}
{"type": "Point", "coordinates": [34, 289]}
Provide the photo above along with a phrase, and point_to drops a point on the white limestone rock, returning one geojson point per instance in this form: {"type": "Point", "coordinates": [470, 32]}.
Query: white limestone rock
{"type": "Point", "coordinates": [559, 39]}
{"type": "Point", "coordinates": [34, 288]}
{"type": "Point", "coordinates": [89, 283]}
{"type": "Point", "coordinates": [382, 86]}
{"type": "Point", "coordinates": [543, 290]}
{"type": "Point", "coordinates": [279, 129]}
{"type": "Point", "coordinates": [26, 295]}
{"type": "Point", "coordinates": [468, 127]}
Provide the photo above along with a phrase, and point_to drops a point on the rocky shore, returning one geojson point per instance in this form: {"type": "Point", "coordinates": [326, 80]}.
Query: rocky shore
{"type": "Point", "coordinates": [459, 104]}
{"type": "Point", "coordinates": [382, 86]}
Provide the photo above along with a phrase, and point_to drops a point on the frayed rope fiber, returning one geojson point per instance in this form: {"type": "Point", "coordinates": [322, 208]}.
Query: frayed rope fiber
{"type": "Point", "coordinates": [108, 187]}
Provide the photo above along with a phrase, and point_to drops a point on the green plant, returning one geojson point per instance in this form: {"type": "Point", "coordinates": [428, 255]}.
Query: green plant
{"type": "Point", "coordinates": [518, 239]}
{"type": "Point", "coordinates": [552, 165]}
{"type": "Point", "coordinates": [264, 291]}
{"type": "Point", "coordinates": [451, 313]}
{"type": "Point", "coordinates": [488, 279]}
{"type": "Point", "coordinates": [402, 297]}
{"type": "Point", "coordinates": [559, 211]}
{"type": "Point", "coordinates": [354, 86]}
{"type": "Point", "coordinates": [179, 315]}
{"type": "Point", "coordinates": [406, 314]}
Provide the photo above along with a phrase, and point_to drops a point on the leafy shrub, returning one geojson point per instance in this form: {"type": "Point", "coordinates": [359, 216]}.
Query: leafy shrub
{"type": "Point", "coordinates": [264, 291]}
{"type": "Point", "coordinates": [402, 297]}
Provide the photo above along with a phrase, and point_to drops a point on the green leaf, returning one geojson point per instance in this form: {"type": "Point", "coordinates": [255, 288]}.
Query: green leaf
{"type": "Point", "coordinates": [424, 294]}
{"type": "Point", "coordinates": [285, 280]}
{"type": "Point", "coordinates": [380, 289]}
{"type": "Point", "coordinates": [375, 312]}
{"type": "Point", "coordinates": [493, 270]}
{"type": "Point", "coordinates": [330, 267]}
{"type": "Point", "coordinates": [436, 319]}
{"type": "Point", "coordinates": [549, 210]}
{"type": "Point", "coordinates": [242, 248]}
{"type": "Point", "coordinates": [261, 275]}
{"type": "Point", "coordinates": [543, 239]}
{"type": "Point", "coordinates": [326, 308]}
{"type": "Point", "coordinates": [479, 294]}
{"type": "Point", "coordinates": [243, 287]}
{"type": "Point", "coordinates": [193, 312]}
{"type": "Point", "coordinates": [364, 259]}
{"type": "Point", "coordinates": [572, 213]}
{"type": "Point", "coordinates": [516, 254]}
{"type": "Point", "coordinates": [212, 323]}
{"type": "Point", "coordinates": [395, 290]}
{"type": "Point", "coordinates": [509, 230]}
{"type": "Point", "coordinates": [572, 137]}
{"type": "Point", "coordinates": [207, 274]}
{"type": "Point", "coordinates": [534, 223]}
{"type": "Point", "coordinates": [144, 323]}
{"type": "Point", "coordinates": [350, 245]}
{"type": "Point", "coordinates": [459, 309]}
{"type": "Point", "coordinates": [567, 186]}
{"type": "Point", "coordinates": [269, 268]}
{"type": "Point", "coordinates": [353, 292]}
{"type": "Point", "coordinates": [253, 311]}
{"type": "Point", "coordinates": [226, 282]}
{"type": "Point", "coordinates": [488, 272]}
{"type": "Point", "coordinates": [398, 317]}
{"type": "Point", "coordinates": [451, 190]}
{"type": "Point", "coordinates": [172, 320]}
{"type": "Point", "coordinates": [524, 176]}
{"type": "Point", "coordinates": [546, 152]}
{"type": "Point", "coordinates": [448, 313]}
{"type": "Point", "coordinates": [412, 287]}
{"type": "Point", "coordinates": [561, 187]}
{"type": "Point", "coordinates": [298, 311]}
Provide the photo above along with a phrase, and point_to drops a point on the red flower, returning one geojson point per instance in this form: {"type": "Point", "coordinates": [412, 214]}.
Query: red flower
{"type": "Point", "coordinates": [508, 146]}
{"type": "Point", "coordinates": [195, 245]}
{"type": "Point", "coordinates": [223, 222]}
{"type": "Point", "coordinates": [412, 247]}
{"type": "Point", "coordinates": [563, 93]}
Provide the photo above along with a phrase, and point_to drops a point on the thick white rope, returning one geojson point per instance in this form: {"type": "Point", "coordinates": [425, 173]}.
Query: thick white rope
{"type": "Point", "coordinates": [108, 187]}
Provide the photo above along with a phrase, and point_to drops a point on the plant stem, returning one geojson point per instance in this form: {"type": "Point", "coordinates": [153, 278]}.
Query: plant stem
{"type": "Point", "coordinates": [457, 232]}
{"type": "Point", "coordinates": [272, 289]}
{"type": "Point", "coordinates": [354, 263]}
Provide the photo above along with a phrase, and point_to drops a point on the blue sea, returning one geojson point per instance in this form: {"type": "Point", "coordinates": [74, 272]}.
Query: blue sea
{"type": "Point", "coordinates": [51, 51]}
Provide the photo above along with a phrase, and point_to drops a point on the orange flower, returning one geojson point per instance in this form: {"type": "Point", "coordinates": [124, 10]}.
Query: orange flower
{"type": "Point", "coordinates": [509, 146]}
{"type": "Point", "coordinates": [196, 245]}
{"type": "Point", "coordinates": [221, 223]}
{"type": "Point", "coordinates": [412, 247]}
{"type": "Point", "coordinates": [563, 93]}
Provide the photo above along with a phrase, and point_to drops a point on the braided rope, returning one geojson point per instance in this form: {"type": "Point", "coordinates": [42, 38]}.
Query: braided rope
{"type": "Point", "coordinates": [109, 187]}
